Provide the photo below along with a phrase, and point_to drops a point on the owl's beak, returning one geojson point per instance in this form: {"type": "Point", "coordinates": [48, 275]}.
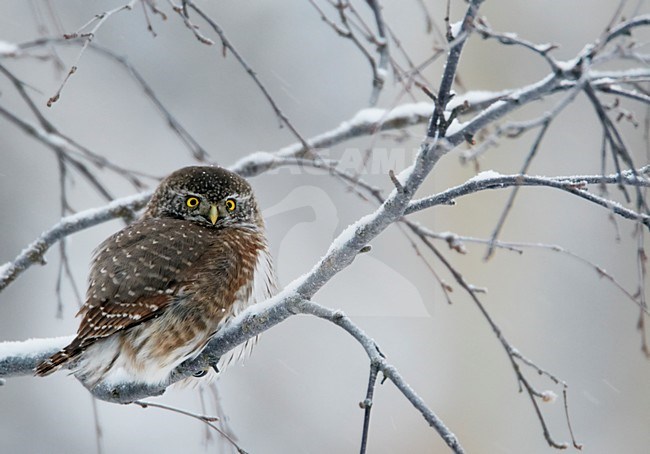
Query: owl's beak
{"type": "Point", "coordinates": [214, 214]}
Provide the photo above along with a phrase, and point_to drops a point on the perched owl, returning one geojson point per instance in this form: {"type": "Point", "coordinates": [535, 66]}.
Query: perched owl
{"type": "Point", "coordinates": [160, 288]}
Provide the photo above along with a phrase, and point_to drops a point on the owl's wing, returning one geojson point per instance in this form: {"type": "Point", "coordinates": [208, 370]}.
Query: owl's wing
{"type": "Point", "coordinates": [136, 273]}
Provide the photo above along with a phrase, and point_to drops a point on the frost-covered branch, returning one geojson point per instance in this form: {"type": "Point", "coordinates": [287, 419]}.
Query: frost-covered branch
{"type": "Point", "coordinates": [35, 252]}
{"type": "Point", "coordinates": [365, 122]}
{"type": "Point", "coordinates": [575, 185]}
{"type": "Point", "coordinates": [20, 358]}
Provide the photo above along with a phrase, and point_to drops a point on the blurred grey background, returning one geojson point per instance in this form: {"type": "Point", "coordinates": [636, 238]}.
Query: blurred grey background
{"type": "Point", "coordinates": [299, 391]}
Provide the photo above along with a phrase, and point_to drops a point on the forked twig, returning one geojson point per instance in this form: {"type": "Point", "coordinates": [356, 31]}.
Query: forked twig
{"type": "Point", "coordinates": [98, 20]}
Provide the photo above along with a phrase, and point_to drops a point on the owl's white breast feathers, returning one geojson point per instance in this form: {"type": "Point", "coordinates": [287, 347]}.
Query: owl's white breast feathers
{"type": "Point", "coordinates": [264, 286]}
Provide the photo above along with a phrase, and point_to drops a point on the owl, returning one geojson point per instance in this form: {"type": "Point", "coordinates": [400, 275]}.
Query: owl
{"type": "Point", "coordinates": [160, 288]}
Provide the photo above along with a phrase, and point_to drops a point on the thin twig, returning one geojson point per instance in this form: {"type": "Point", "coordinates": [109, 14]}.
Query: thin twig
{"type": "Point", "coordinates": [253, 75]}
{"type": "Point", "coordinates": [382, 50]}
{"type": "Point", "coordinates": [507, 346]}
{"type": "Point", "coordinates": [68, 152]}
{"type": "Point", "coordinates": [99, 435]}
{"type": "Point", "coordinates": [568, 420]}
{"type": "Point", "coordinates": [366, 405]}
{"type": "Point", "coordinates": [100, 19]}
{"type": "Point", "coordinates": [207, 420]}
{"type": "Point", "coordinates": [515, 190]}
{"type": "Point", "coordinates": [510, 39]}
{"type": "Point", "coordinates": [182, 12]}
{"type": "Point", "coordinates": [198, 152]}
{"type": "Point", "coordinates": [388, 370]}
{"type": "Point", "coordinates": [456, 242]}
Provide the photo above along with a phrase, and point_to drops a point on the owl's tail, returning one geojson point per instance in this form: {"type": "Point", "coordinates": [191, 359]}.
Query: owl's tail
{"type": "Point", "coordinates": [57, 360]}
{"type": "Point", "coordinates": [52, 364]}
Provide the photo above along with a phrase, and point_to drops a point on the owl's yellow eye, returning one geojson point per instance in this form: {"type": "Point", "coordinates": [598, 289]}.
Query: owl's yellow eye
{"type": "Point", "coordinates": [230, 204]}
{"type": "Point", "coordinates": [192, 202]}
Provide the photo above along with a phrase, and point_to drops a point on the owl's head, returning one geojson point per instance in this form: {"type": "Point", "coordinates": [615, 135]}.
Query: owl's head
{"type": "Point", "coordinates": [210, 196]}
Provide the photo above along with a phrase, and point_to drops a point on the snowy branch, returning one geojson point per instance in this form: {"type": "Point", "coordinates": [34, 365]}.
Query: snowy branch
{"type": "Point", "coordinates": [35, 252]}
{"type": "Point", "coordinates": [575, 185]}
{"type": "Point", "coordinates": [365, 122]}
{"type": "Point", "coordinates": [20, 358]}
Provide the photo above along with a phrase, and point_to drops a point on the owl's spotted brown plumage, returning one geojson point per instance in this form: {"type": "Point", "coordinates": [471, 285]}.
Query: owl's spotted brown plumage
{"type": "Point", "coordinates": [160, 288]}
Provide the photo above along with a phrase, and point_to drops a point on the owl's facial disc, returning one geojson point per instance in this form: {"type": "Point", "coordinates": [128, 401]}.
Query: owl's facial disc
{"type": "Point", "coordinates": [210, 196]}
{"type": "Point", "coordinates": [209, 212]}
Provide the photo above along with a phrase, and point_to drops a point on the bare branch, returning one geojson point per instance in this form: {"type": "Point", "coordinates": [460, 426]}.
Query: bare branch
{"type": "Point", "coordinates": [513, 353]}
{"type": "Point", "coordinates": [182, 12]}
{"type": "Point", "coordinates": [513, 194]}
{"type": "Point", "coordinates": [88, 37]}
{"type": "Point", "coordinates": [571, 184]}
{"type": "Point", "coordinates": [198, 152]}
{"type": "Point", "coordinates": [366, 405]}
{"type": "Point", "coordinates": [248, 324]}
{"type": "Point", "coordinates": [207, 420]}
{"type": "Point", "coordinates": [456, 242]}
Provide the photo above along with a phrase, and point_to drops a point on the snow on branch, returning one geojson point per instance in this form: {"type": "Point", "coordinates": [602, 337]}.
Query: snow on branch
{"type": "Point", "coordinates": [365, 122]}
{"type": "Point", "coordinates": [575, 185]}
{"type": "Point", "coordinates": [20, 358]}
{"type": "Point", "coordinates": [343, 250]}
{"type": "Point", "coordinates": [35, 252]}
